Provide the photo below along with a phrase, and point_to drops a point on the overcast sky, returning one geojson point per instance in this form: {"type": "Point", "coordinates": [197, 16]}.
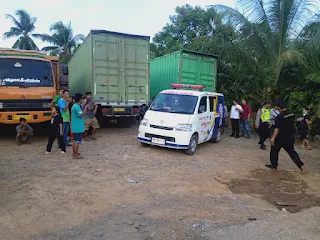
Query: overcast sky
{"type": "Point", "coordinates": [142, 17]}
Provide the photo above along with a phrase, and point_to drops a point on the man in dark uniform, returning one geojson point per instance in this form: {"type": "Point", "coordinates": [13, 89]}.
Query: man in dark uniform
{"type": "Point", "coordinates": [283, 137]}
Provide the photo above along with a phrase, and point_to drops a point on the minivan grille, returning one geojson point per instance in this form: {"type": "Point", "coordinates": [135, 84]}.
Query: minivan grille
{"type": "Point", "coordinates": [161, 127]}
{"type": "Point", "coordinates": [170, 139]}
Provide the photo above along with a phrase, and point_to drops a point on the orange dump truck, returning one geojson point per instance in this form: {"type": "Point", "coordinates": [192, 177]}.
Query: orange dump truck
{"type": "Point", "coordinates": [29, 80]}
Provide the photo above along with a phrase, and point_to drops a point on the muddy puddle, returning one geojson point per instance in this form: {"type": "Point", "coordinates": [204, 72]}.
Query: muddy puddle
{"type": "Point", "coordinates": [280, 188]}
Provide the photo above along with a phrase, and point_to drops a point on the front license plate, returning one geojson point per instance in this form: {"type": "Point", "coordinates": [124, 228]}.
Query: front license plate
{"type": "Point", "coordinates": [159, 141]}
{"type": "Point", "coordinates": [17, 117]}
{"type": "Point", "coordinates": [119, 109]}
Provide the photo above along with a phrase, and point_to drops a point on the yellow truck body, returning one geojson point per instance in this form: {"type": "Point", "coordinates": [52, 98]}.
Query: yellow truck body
{"type": "Point", "coordinates": [29, 81]}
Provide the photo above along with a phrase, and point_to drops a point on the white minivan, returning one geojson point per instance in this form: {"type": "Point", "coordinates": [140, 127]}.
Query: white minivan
{"type": "Point", "coordinates": [182, 119]}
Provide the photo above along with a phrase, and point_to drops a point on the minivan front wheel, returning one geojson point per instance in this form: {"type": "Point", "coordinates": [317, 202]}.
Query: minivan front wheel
{"type": "Point", "coordinates": [145, 144]}
{"type": "Point", "coordinates": [192, 148]}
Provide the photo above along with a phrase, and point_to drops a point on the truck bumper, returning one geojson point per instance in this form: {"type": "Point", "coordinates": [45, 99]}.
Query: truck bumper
{"type": "Point", "coordinates": [30, 116]}
{"type": "Point", "coordinates": [120, 111]}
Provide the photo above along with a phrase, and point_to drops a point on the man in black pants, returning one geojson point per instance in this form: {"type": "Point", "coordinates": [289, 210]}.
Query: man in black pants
{"type": "Point", "coordinates": [236, 110]}
{"type": "Point", "coordinates": [283, 137]}
{"type": "Point", "coordinates": [56, 131]}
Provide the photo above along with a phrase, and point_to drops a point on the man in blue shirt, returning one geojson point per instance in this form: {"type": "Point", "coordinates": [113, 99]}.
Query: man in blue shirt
{"type": "Point", "coordinates": [77, 124]}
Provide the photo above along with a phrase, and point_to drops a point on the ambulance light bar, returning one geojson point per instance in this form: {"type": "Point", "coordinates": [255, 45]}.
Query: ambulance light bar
{"type": "Point", "coordinates": [177, 86]}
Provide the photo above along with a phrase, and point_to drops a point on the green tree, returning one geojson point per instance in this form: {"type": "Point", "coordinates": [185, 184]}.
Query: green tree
{"type": "Point", "coordinates": [268, 51]}
{"type": "Point", "coordinates": [268, 29]}
{"type": "Point", "coordinates": [62, 39]}
{"type": "Point", "coordinates": [204, 30]}
{"type": "Point", "coordinates": [24, 25]}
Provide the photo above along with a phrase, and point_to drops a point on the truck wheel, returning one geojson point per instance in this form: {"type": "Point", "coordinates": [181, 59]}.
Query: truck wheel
{"type": "Point", "coordinates": [192, 148]}
{"type": "Point", "coordinates": [217, 137]}
{"type": "Point", "coordinates": [145, 144]}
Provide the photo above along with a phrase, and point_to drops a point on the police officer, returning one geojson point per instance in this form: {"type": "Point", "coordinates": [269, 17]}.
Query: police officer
{"type": "Point", "coordinates": [283, 137]}
{"type": "Point", "coordinates": [263, 122]}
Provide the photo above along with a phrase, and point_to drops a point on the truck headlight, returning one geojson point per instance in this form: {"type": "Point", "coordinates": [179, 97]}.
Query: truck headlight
{"type": "Point", "coordinates": [46, 105]}
{"type": "Point", "coordinates": [1, 105]}
{"type": "Point", "coordinates": [184, 127]}
{"type": "Point", "coordinates": [144, 122]}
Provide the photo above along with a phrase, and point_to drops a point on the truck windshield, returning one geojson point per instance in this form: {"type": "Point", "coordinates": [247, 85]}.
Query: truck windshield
{"type": "Point", "coordinates": [174, 103]}
{"type": "Point", "coordinates": [25, 73]}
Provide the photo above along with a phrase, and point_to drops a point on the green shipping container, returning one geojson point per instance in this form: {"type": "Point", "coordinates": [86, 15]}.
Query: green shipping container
{"type": "Point", "coordinates": [186, 67]}
{"type": "Point", "coordinates": [114, 67]}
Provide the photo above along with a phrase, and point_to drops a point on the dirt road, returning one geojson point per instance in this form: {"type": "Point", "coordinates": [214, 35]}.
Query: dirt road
{"type": "Point", "coordinates": [222, 190]}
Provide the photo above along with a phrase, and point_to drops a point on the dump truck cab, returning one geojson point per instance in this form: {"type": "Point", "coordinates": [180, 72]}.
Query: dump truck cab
{"type": "Point", "coordinates": [28, 82]}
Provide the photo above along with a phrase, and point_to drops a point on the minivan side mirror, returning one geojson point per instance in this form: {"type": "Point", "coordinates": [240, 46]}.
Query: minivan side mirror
{"type": "Point", "coordinates": [65, 69]}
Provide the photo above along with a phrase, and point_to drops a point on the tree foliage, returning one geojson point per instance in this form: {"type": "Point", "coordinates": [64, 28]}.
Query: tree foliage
{"type": "Point", "coordinates": [62, 39]}
{"type": "Point", "coordinates": [24, 25]}
{"type": "Point", "coordinates": [271, 50]}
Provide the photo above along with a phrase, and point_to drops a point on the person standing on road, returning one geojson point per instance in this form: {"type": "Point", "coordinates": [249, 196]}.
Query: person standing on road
{"type": "Point", "coordinates": [245, 119]}
{"type": "Point", "coordinates": [63, 104]}
{"type": "Point", "coordinates": [77, 124]}
{"type": "Point", "coordinates": [283, 137]}
{"type": "Point", "coordinates": [264, 126]}
{"type": "Point", "coordinates": [274, 112]}
{"type": "Point", "coordinates": [57, 98]}
{"type": "Point", "coordinates": [236, 109]}
{"type": "Point", "coordinates": [56, 131]}
{"type": "Point", "coordinates": [90, 116]}
{"type": "Point", "coordinates": [304, 129]}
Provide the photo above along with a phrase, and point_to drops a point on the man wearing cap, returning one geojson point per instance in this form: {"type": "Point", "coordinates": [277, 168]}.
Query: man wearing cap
{"type": "Point", "coordinates": [263, 123]}
{"type": "Point", "coordinates": [283, 137]}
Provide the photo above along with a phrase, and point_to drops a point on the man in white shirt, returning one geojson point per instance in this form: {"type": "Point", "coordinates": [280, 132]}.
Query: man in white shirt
{"type": "Point", "coordinates": [235, 112]}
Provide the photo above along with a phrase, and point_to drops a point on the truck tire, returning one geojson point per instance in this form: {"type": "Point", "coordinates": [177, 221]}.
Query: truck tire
{"type": "Point", "coordinates": [217, 138]}
{"type": "Point", "coordinates": [192, 148]}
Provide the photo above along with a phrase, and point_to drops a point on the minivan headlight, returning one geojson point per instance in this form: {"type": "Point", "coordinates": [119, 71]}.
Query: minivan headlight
{"type": "Point", "coordinates": [184, 127]}
{"type": "Point", "coordinates": [144, 122]}
{"type": "Point", "coordinates": [46, 105]}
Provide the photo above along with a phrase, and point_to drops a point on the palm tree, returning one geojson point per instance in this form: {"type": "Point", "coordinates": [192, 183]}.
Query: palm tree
{"type": "Point", "coordinates": [23, 27]}
{"type": "Point", "coordinates": [62, 40]}
{"type": "Point", "coordinates": [268, 29]}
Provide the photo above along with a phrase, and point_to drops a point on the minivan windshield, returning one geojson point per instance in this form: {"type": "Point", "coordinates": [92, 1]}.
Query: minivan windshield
{"type": "Point", "coordinates": [174, 103]}
{"type": "Point", "coordinates": [25, 73]}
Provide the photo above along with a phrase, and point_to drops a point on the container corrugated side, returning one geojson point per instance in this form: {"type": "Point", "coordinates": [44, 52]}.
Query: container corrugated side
{"type": "Point", "coordinates": [120, 68]}
{"type": "Point", "coordinates": [198, 70]}
{"type": "Point", "coordinates": [80, 69]}
{"type": "Point", "coordinates": [164, 71]}
{"type": "Point", "coordinates": [185, 67]}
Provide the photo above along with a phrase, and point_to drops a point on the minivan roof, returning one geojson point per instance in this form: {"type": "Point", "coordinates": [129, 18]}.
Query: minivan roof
{"type": "Point", "coordinates": [191, 92]}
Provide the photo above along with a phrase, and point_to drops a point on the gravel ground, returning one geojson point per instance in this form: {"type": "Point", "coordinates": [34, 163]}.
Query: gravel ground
{"type": "Point", "coordinates": [222, 192]}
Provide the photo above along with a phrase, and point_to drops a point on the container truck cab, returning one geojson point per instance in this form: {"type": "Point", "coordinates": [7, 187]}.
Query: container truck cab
{"type": "Point", "coordinates": [182, 119]}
